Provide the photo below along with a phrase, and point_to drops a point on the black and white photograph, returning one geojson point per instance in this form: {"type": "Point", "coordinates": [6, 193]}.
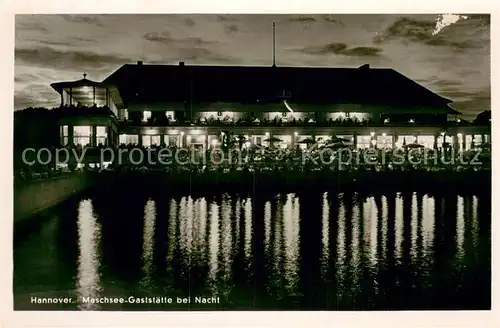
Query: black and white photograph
{"type": "Point", "coordinates": [252, 162]}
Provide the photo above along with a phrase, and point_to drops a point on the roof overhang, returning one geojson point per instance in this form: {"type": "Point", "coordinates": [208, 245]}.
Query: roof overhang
{"type": "Point", "coordinates": [79, 89]}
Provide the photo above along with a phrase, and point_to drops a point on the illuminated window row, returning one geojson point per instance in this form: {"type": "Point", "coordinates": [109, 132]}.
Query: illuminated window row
{"type": "Point", "coordinates": [82, 135]}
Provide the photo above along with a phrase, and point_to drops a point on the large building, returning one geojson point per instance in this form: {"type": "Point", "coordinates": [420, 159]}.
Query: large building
{"type": "Point", "coordinates": [186, 105]}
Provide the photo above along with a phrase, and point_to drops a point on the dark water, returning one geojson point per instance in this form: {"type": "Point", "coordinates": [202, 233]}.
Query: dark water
{"type": "Point", "coordinates": [309, 250]}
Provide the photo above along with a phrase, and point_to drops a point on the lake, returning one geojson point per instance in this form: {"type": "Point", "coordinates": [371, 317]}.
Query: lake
{"type": "Point", "coordinates": [308, 250]}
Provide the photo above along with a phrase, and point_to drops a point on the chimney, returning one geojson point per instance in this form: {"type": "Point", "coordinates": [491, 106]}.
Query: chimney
{"type": "Point", "coordinates": [139, 62]}
{"type": "Point", "coordinates": [181, 63]}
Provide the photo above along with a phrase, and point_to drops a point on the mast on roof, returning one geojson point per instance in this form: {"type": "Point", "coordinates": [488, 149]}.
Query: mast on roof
{"type": "Point", "coordinates": [274, 44]}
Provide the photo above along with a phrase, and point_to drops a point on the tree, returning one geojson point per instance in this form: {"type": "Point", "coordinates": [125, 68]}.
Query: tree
{"type": "Point", "coordinates": [483, 118]}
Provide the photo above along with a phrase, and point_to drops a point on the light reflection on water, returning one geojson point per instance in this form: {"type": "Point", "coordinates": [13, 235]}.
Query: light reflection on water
{"type": "Point", "coordinates": [382, 242]}
{"type": "Point", "coordinates": [148, 243]}
{"type": "Point", "coordinates": [245, 249]}
{"type": "Point", "coordinates": [414, 226]}
{"type": "Point", "coordinates": [399, 225]}
{"type": "Point", "coordinates": [89, 234]}
{"type": "Point", "coordinates": [248, 228]}
{"type": "Point", "coordinates": [341, 237]}
{"type": "Point", "coordinates": [214, 244]}
{"type": "Point", "coordinates": [291, 218]}
{"type": "Point", "coordinates": [325, 223]}
{"type": "Point", "coordinates": [475, 224]}
{"type": "Point", "coordinates": [460, 226]}
{"type": "Point", "coordinates": [428, 221]}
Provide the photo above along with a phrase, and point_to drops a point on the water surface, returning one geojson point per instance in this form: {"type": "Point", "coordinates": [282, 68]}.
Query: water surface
{"type": "Point", "coordinates": [307, 250]}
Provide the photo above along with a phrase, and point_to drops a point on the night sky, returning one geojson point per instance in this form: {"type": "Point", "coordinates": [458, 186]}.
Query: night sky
{"type": "Point", "coordinates": [453, 61]}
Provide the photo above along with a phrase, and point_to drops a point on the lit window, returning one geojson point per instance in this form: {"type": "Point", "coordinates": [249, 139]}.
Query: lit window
{"type": "Point", "coordinates": [427, 141]}
{"type": "Point", "coordinates": [363, 141]}
{"type": "Point", "coordinates": [386, 121]}
{"type": "Point", "coordinates": [468, 142]}
{"type": "Point", "coordinates": [132, 139]}
{"type": "Point", "coordinates": [64, 134]}
{"type": "Point", "coordinates": [102, 135]}
{"type": "Point", "coordinates": [146, 115]}
{"type": "Point", "coordinates": [477, 140]}
{"type": "Point", "coordinates": [82, 135]}
{"type": "Point", "coordinates": [170, 115]}
{"type": "Point", "coordinates": [411, 120]}
{"type": "Point", "coordinates": [384, 141]}
{"type": "Point", "coordinates": [171, 140]}
{"type": "Point", "coordinates": [146, 141]}
{"type": "Point", "coordinates": [155, 140]}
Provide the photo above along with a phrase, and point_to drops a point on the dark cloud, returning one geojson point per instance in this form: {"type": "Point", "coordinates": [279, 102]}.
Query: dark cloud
{"type": "Point", "coordinates": [189, 22]}
{"type": "Point", "coordinates": [35, 95]}
{"type": "Point", "coordinates": [196, 42]}
{"type": "Point", "coordinates": [481, 20]}
{"type": "Point", "coordinates": [453, 94]}
{"type": "Point", "coordinates": [420, 31]}
{"type": "Point", "coordinates": [226, 18]}
{"type": "Point", "coordinates": [342, 49]}
{"type": "Point", "coordinates": [86, 19]}
{"type": "Point", "coordinates": [195, 53]}
{"type": "Point", "coordinates": [230, 29]}
{"type": "Point", "coordinates": [23, 100]}
{"type": "Point", "coordinates": [25, 78]}
{"type": "Point", "coordinates": [330, 19]}
{"type": "Point", "coordinates": [28, 26]}
{"type": "Point", "coordinates": [50, 58]}
{"type": "Point", "coordinates": [303, 19]}
{"type": "Point", "coordinates": [166, 38]}
{"type": "Point", "coordinates": [474, 103]}
{"type": "Point", "coordinates": [161, 37]}
{"type": "Point", "coordinates": [331, 48]}
{"type": "Point", "coordinates": [201, 55]}
{"type": "Point", "coordinates": [67, 42]}
{"type": "Point", "coordinates": [438, 82]}
{"type": "Point", "coordinates": [362, 51]}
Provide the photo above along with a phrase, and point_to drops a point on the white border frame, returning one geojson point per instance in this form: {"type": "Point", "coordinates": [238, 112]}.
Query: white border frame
{"type": "Point", "coordinates": [9, 318]}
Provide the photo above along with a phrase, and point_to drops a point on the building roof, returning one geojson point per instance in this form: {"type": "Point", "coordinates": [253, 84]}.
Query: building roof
{"type": "Point", "coordinates": [140, 83]}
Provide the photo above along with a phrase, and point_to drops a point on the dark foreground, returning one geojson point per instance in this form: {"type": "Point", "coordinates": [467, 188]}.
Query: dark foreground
{"type": "Point", "coordinates": [308, 248]}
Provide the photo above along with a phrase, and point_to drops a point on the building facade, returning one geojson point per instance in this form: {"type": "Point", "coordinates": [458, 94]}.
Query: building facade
{"type": "Point", "coordinates": [192, 106]}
